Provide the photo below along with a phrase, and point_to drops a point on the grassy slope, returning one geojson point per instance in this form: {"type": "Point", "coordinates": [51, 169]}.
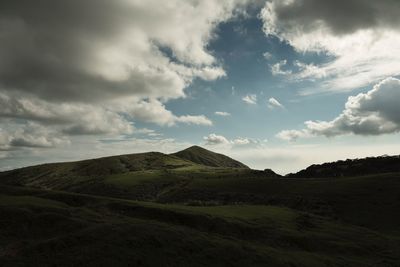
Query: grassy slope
{"type": "Point", "coordinates": [44, 228]}
{"type": "Point", "coordinates": [138, 176]}
{"type": "Point", "coordinates": [75, 174]}
{"type": "Point", "coordinates": [352, 221]}
{"type": "Point", "coordinates": [371, 201]}
{"type": "Point", "coordinates": [205, 157]}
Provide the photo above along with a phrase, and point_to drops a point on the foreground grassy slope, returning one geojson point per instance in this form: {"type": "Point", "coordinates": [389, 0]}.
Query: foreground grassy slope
{"type": "Point", "coordinates": [371, 201]}
{"type": "Point", "coordinates": [48, 228]}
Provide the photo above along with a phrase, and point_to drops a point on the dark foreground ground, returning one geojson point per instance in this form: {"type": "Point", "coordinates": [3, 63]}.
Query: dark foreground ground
{"type": "Point", "coordinates": [49, 228]}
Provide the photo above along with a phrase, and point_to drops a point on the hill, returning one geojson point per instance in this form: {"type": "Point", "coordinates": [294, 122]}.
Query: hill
{"type": "Point", "coordinates": [143, 176]}
{"type": "Point", "coordinates": [153, 209]}
{"type": "Point", "coordinates": [205, 157]}
{"type": "Point", "coordinates": [165, 178]}
{"type": "Point", "coordinates": [349, 167]}
{"type": "Point", "coordinates": [108, 165]}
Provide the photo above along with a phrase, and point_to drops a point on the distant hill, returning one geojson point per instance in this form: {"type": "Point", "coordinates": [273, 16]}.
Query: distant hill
{"type": "Point", "coordinates": [206, 157]}
{"type": "Point", "coordinates": [143, 176]}
{"type": "Point", "coordinates": [351, 167]}
{"type": "Point", "coordinates": [100, 166]}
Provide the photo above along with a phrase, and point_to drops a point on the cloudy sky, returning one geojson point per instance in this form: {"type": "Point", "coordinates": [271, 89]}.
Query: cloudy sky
{"type": "Point", "coordinates": [276, 84]}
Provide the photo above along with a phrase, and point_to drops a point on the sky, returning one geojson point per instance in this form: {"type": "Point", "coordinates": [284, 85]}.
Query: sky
{"type": "Point", "coordinates": [278, 84]}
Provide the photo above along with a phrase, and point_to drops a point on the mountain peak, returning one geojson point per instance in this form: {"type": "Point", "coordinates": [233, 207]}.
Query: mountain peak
{"type": "Point", "coordinates": [206, 157]}
{"type": "Point", "coordinates": [195, 147]}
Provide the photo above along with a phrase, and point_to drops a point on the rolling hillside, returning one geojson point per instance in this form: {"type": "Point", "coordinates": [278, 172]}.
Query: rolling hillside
{"type": "Point", "coordinates": [144, 176]}
{"type": "Point", "coordinates": [197, 208]}
{"type": "Point", "coordinates": [106, 165]}
{"type": "Point", "coordinates": [205, 157]}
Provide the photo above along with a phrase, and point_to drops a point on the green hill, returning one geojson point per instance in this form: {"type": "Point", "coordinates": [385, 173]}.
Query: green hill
{"type": "Point", "coordinates": [144, 176]}
{"type": "Point", "coordinates": [153, 209]}
{"type": "Point", "coordinates": [106, 165]}
{"type": "Point", "coordinates": [205, 157]}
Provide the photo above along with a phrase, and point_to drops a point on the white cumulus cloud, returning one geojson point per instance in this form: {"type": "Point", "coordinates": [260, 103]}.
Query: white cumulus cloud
{"type": "Point", "coordinates": [222, 113]}
{"type": "Point", "coordinates": [250, 99]}
{"type": "Point", "coordinates": [239, 142]}
{"type": "Point", "coordinates": [362, 39]}
{"type": "Point", "coordinates": [277, 68]}
{"type": "Point", "coordinates": [214, 139]}
{"type": "Point", "coordinates": [375, 112]}
{"type": "Point", "coordinates": [273, 103]}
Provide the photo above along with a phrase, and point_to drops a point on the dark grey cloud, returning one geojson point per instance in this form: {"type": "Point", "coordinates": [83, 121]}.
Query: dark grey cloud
{"type": "Point", "coordinates": [70, 118]}
{"type": "Point", "coordinates": [339, 16]}
{"type": "Point", "coordinates": [29, 135]}
{"type": "Point", "coordinates": [91, 50]}
{"type": "Point", "coordinates": [92, 67]}
{"type": "Point", "coordinates": [50, 48]}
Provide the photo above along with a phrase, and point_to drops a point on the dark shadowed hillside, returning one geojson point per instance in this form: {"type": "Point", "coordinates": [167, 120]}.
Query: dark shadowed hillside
{"type": "Point", "coordinates": [355, 167]}
{"type": "Point", "coordinates": [199, 208]}
{"type": "Point", "coordinates": [205, 157]}
{"type": "Point", "coordinates": [49, 228]}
